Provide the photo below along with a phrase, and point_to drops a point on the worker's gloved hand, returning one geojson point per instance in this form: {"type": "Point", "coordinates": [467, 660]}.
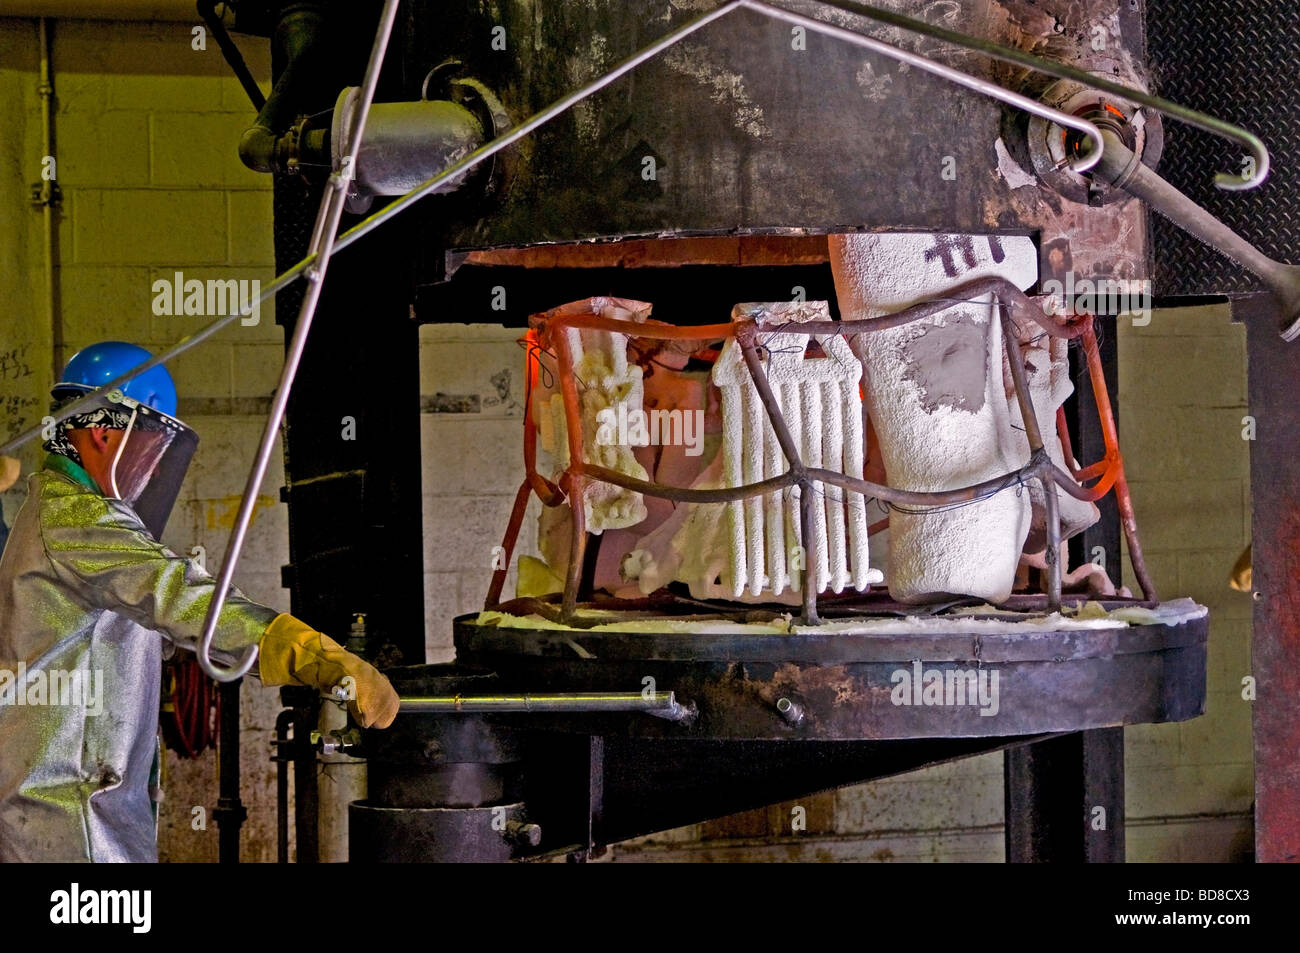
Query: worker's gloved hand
{"type": "Point", "coordinates": [292, 652]}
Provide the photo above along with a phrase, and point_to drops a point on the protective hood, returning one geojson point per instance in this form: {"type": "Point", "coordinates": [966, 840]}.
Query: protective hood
{"type": "Point", "coordinates": [151, 458]}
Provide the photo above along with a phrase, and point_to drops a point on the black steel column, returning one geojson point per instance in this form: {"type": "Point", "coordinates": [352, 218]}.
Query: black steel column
{"type": "Point", "coordinates": [1064, 799]}
{"type": "Point", "coordinates": [230, 813]}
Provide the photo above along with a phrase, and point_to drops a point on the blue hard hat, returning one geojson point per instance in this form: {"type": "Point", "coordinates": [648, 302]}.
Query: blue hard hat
{"type": "Point", "coordinates": [93, 367]}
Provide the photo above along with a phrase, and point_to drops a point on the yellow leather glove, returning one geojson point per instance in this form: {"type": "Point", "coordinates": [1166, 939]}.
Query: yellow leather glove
{"type": "Point", "coordinates": [292, 652]}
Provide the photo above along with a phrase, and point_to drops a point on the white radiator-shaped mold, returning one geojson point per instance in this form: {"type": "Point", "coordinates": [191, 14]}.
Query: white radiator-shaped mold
{"type": "Point", "coordinates": [822, 406]}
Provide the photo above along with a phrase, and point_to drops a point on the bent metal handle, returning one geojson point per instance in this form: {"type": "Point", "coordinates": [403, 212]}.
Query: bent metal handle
{"type": "Point", "coordinates": [1120, 168]}
{"type": "Point", "coordinates": [322, 245]}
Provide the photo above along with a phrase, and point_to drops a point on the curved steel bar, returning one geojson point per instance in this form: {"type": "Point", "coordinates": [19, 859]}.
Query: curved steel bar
{"type": "Point", "coordinates": [1043, 467]}
{"type": "Point", "coordinates": [1224, 180]}
{"type": "Point", "coordinates": [730, 494]}
{"type": "Point", "coordinates": [681, 494]}
{"type": "Point", "coordinates": [1006, 293]}
{"type": "Point", "coordinates": [1068, 484]}
{"type": "Point", "coordinates": [323, 235]}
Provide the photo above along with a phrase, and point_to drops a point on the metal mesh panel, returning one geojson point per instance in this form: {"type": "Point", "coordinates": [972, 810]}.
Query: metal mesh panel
{"type": "Point", "coordinates": [1240, 62]}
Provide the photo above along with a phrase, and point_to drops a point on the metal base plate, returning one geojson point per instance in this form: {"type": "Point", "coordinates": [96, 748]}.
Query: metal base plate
{"type": "Point", "coordinates": [829, 685]}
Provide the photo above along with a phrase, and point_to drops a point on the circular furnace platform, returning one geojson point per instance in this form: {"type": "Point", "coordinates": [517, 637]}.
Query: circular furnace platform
{"type": "Point", "coordinates": [878, 676]}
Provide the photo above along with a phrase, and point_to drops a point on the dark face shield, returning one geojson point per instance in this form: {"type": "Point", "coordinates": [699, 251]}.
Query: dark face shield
{"type": "Point", "coordinates": [150, 462]}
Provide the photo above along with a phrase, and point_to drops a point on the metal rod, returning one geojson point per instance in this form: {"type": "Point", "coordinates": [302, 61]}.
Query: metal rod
{"type": "Point", "coordinates": [660, 704]}
{"type": "Point", "coordinates": [283, 722]}
{"type": "Point", "coordinates": [572, 482]}
{"type": "Point", "coordinates": [811, 555]}
{"type": "Point", "coordinates": [1218, 127]}
{"type": "Point", "coordinates": [1042, 465]}
{"type": "Point", "coordinates": [1124, 170]}
{"type": "Point", "coordinates": [1020, 304]}
{"type": "Point", "coordinates": [508, 542]}
{"type": "Point", "coordinates": [327, 222]}
{"type": "Point", "coordinates": [208, 11]}
{"type": "Point", "coordinates": [683, 494]}
{"type": "Point", "coordinates": [180, 347]}
{"type": "Point", "coordinates": [49, 197]}
{"type": "Point", "coordinates": [983, 86]}
{"type": "Point", "coordinates": [808, 499]}
{"type": "Point", "coordinates": [1052, 516]}
{"type": "Point", "coordinates": [1129, 522]}
{"type": "Point", "coordinates": [748, 350]}
{"type": "Point", "coordinates": [889, 494]}
{"type": "Point", "coordinates": [537, 120]}
{"type": "Point", "coordinates": [577, 546]}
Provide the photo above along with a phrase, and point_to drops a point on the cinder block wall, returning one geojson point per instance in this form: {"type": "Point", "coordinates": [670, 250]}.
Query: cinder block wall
{"type": "Point", "coordinates": [146, 129]}
{"type": "Point", "coordinates": [471, 437]}
{"type": "Point", "coordinates": [1182, 397]}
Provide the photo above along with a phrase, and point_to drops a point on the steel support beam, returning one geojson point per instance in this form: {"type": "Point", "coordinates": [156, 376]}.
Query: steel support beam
{"type": "Point", "coordinates": [1274, 372]}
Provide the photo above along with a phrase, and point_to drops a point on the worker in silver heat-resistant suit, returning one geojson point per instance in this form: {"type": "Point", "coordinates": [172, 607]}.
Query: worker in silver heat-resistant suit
{"type": "Point", "coordinates": [85, 592]}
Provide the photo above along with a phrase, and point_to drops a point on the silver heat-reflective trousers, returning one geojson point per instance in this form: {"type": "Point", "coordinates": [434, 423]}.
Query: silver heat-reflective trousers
{"type": "Point", "coordinates": [85, 593]}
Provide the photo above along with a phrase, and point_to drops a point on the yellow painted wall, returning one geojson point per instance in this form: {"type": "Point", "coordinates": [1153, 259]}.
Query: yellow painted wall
{"type": "Point", "coordinates": [146, 129]}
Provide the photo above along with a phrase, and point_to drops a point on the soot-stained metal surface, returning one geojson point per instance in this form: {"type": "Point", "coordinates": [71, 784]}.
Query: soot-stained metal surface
{"type": "Point", "coordinates": [1236, 61]}
{"type": "Point", "coordinates": [779, 135]}
{"type": "Point", "coordinates": [844, 686]}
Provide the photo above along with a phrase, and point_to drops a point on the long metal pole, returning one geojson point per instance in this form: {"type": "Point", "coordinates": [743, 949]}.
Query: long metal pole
{"type": "Point", "coordinates": [327, 223]}
{"type": "Point", "coordinates": [49, 195]}
{"type": "Point", "coordinates": [660, 704]}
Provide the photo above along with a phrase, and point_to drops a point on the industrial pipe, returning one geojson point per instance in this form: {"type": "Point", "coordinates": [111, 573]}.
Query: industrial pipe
{"type": "Point", "coordinates": [405, 144]}
{"type": "Point", "coordinates": [298, 32]}
{"type": "Point", "coordinates": [660, 704]}
{"type": "Point", "coordinates": [49, 196]}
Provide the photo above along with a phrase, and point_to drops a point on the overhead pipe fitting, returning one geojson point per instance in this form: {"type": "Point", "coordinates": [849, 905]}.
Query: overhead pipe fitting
{"type": "Point", "coordinates": [406, 142]}
{"type": "Point", "coordinates": [298, 33]}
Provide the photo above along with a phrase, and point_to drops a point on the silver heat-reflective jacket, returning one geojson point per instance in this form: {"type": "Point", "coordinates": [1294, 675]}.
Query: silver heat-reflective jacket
{"type": "Point", "coordinates": [85, 592]}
